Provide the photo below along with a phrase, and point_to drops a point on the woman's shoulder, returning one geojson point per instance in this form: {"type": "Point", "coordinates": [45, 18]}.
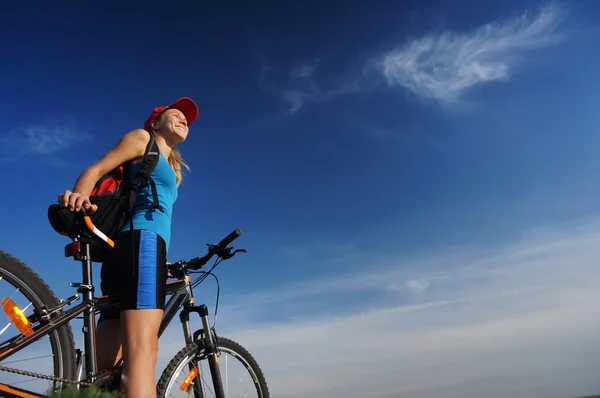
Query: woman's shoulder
{"type": "Point", "coordinates": [138, 135]}
{"type": "Point", "coordinates": [130, 147]}
{"type": "Point", "coordinates": [137, 138]}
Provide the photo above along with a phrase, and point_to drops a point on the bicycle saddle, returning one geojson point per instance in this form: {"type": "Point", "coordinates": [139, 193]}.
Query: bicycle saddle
{"type": "Point", "coordinates": [64, 221]}
{"type": "Point", "coordinates": [72, 224]}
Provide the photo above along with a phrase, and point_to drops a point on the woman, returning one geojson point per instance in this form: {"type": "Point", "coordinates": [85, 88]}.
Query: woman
{"type": "Point", "coordinates": [138, 273]}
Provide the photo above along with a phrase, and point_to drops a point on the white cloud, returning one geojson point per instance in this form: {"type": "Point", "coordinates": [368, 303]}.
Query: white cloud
{"type": "Point", "coordinates": [46, 139]}
{"type": "Point", "coordinates": [304, 71]}
{"type": "Point", "coordinates": [516, 320]}
{"type": "Point", "coordinates": [377, 355]}
{"type": "Point", "coordinates": [311, 92]}
{"type": "Point", "coordinates": [444, 66]}
{"type": "Point", "coordinates": [301, 86]}
{"type": "Point", "coordinates": [437, 66]}
{"type": "Point", "coordinates": [417, 286]}
{"type": "Point", "coordinates": [297, 98]}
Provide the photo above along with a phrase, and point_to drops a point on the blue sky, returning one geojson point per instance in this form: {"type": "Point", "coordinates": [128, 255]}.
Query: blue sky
{"type": "Point", "coordinates": [431, 166]}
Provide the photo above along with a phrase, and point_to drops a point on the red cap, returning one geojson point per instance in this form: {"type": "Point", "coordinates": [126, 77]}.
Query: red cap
{"type": "Point", "coordinates": [184, 104]}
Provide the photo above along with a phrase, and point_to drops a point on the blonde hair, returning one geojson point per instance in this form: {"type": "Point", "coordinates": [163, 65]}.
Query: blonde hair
{"type": "Point", "coordinates": [175, 159]}
{"type": "Point", "coordinates": [176, 162]}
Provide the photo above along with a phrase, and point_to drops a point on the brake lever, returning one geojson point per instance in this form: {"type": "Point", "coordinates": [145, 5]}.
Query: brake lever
{"type": "Point", "coordinates": [227, 253]}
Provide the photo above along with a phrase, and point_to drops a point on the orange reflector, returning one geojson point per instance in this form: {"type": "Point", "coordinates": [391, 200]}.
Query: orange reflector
{"type": "Point", "coordinates": [189, 378]}
{"type": "Point", "coordinates": [17, 316]}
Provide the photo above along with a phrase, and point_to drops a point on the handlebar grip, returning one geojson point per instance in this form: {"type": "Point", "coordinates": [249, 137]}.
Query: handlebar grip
{"type": "Point", "coordinates": [230, 238]}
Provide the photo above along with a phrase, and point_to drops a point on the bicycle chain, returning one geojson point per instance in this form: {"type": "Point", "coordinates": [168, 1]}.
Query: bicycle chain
{"type": "Point", "coordinates": [41, 376]}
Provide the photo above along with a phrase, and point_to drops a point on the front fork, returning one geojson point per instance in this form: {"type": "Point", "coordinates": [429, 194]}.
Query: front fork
{"type": "Point", "coordinates": [207, 342]}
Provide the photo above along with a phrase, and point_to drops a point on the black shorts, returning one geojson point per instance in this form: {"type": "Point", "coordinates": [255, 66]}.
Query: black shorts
{"type": "Point", "coordinates": [137, 276]}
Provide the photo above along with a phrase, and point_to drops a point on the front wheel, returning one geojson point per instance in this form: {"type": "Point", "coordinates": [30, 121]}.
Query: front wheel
{"type": "Point", "coordinates": [188, 373]}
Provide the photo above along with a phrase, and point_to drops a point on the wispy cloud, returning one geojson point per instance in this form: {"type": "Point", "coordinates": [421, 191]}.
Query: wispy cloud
{"type": "Point", "coordinates": [49, 138]}
{"type": "Point", "coordinates": [311, 92]}
{"type": "Point", "coordinates": [444, 66]}
{"type": "Point", "coordinates": [297, 98]}
{"type": "Point", "coordinates": [441, 66]}
{"type": "Point", "coordinates": [389, 353]}
{"type": "Point", "coordinates": [515, 320]}
{"type": "Point", "coordinates": [300, 86]}
{"type": "Point", "coordinates": [304, 71]}
{"type": "Point", "coordinates": [417, 286]}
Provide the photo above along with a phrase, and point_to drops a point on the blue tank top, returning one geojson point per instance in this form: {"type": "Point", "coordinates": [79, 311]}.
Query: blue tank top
{"type": "Point", "coordinates": [146, 217]}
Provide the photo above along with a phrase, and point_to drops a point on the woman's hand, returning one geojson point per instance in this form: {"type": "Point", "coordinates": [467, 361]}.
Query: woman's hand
{"type": "Point", "coordinates": [75, 201]}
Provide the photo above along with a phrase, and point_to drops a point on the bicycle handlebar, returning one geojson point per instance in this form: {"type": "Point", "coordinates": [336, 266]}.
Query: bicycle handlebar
{"type": "Point", "coordinates": [219, 249]}
{"type": "Point", "coordinates": [230, 238]}
{"type": "Point", "coordinates": [222, 250]}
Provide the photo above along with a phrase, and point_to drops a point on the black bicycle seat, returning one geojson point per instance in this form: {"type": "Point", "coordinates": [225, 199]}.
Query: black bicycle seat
{"type": "Point", "coordinates": [70, 223]}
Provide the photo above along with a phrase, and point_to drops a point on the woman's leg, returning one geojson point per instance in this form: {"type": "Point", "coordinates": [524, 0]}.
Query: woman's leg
{"type": "Point", "coordinates": [140, 351]}
{"type": "Point", "coordinates": [108, 331]}
{"type": "Point", "coordinates": [142, 292]}
{"type": "Point", "coordinates": [108, 343]}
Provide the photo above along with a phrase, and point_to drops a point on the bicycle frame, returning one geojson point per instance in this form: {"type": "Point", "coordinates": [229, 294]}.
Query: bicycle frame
{"type": "Point", "coordinates": [181, 296]}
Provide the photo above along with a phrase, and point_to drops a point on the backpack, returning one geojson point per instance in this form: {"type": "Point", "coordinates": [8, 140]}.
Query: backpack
{"type": "Point", "coordinates": [115, 196]}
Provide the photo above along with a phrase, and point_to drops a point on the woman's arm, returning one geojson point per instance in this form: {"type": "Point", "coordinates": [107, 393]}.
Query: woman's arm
{"type": "Point", "coordinates": [131, 146]}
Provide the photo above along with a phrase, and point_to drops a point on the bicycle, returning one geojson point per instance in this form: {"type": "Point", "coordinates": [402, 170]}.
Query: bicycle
{"type": "Point", "coordinates": [51, 319]}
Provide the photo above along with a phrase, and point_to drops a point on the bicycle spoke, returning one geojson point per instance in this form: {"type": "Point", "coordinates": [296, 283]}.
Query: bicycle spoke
{"type": "Point", "coordinates": [28, 359]}
{"type": "Point", "coordinates": [24, 381]}
{"type": "Point", "coordinates": [201, 373]}
{"type": "Point", "coordinates": [4, 329]}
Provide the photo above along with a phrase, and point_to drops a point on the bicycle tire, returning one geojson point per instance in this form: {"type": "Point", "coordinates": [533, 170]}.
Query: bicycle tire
{"type": "Point", "coordinates": [223, 342]}
{"type": "Point", "coordinates": [39, 293]}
